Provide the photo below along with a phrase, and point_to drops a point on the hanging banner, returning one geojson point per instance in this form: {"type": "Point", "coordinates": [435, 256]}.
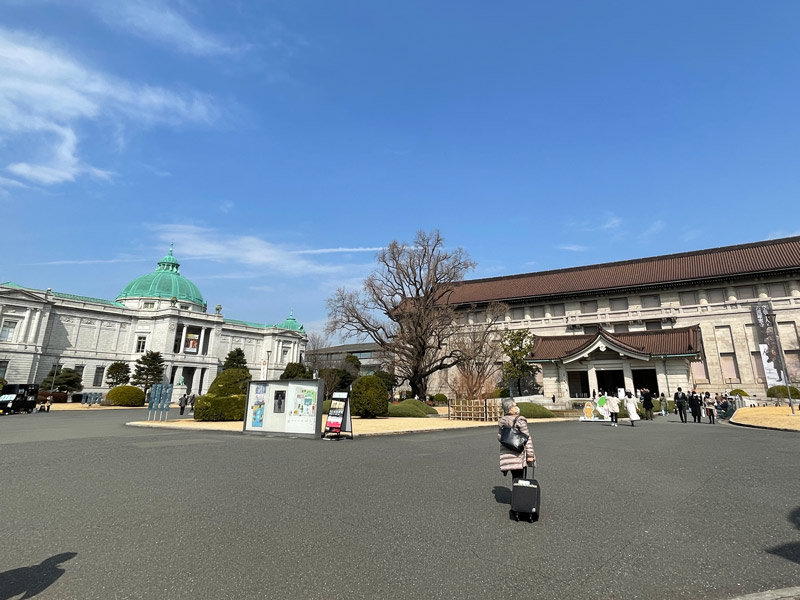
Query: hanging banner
{"type": "Point", "coordinates": [767, 337]}
{"type": "Point", "coordinates": [285, 407]}
{"type": "Point", "coordinates": [339, 419]}
{"type": "Point", "coordinates": [192, 342]}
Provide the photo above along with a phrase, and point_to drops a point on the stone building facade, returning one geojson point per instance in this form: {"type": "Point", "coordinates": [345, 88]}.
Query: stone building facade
{"type": "Point", "coordinates": [161, 311]}
{"type": "Point", "coordinates": [710, 290]}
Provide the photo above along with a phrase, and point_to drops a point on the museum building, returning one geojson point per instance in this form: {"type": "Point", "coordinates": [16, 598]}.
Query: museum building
{"type": "Point", "coordinates": [161, 311]}
{"type": "Point", "coordinates": [679, 320]}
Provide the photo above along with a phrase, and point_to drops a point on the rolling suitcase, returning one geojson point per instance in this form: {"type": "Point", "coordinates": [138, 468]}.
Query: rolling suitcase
{"type": "Point", "coordinates": [526, 497]}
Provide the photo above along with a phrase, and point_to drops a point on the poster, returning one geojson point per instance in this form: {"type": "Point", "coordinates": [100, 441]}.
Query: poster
{"type": "Point", "coordinates": [289, 407]}
{"type": "Point", "coordinates": [768, 345]}
{"type": "Point", "coordinates": [335, 415]}
{"type": "Point", "coordinates": [192, 342]}
{"type": "Point", "coordinates": [302, 408]}
{"type": "Point", "coordinates": [257, 408]}
{"type": "Point", "coordinates": [279, 401]}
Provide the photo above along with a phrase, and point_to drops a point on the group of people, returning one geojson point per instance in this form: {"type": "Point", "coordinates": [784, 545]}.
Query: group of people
{"type": "Point", "coordinates": [187, 400]}
{"type": "Point", "coordinates": [699, 404]}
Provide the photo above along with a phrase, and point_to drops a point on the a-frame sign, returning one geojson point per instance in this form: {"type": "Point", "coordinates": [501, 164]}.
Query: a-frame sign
{"type": "Point", "coordinates": [339, 419]}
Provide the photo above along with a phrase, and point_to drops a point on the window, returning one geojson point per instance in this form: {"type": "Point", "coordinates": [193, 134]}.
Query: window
{"type": "Point", "coordinates": [621, 328]}
{"type": "Point", "coordinates": [557, 310]}
{"type": "Point", "coordinates": [537, 312]}
{"type": "Point", "coordinates": [592, 329]}
{"type": "Point", "coordinates": [699, 372]}
{"type": "Point", "coordinates": [98, 376]}
{"type": "Point", "coordinates": [745, 292]}
{"type": "Point", "coordinates": [141, 342]}
{"type": "Point", "coordinates": [776, 290]}
{"type": "Point", "coordinates": [652, 325]}
{"type": "Point", "coordinates": [149, 305]}
{"type": "Point", "coordinates": [7, 331]}
{"type": "Point", "coordinates": [687, 298]}
{"type": "Point", "coordinates": [285, 353]}
{"type": "Point", "coordinates": [479, 317]}
{"type": "Point", "coordinates": [793, 364]}
{"type": "Point", "coordinates": [517, 314]}
{"type": "Point", "coordinates": [715, 296]}
{"type": "Point", "coordinates": [3, 368]}
{"type": "Point", "coordinates": [79, 370]}
{"type": "Point", "coordinates": [588, 306]}
{"type": "Point", "coordinates": [651, 301]}
{"type": "Point", "coordinates": [730, 370]}
{"type": "Point", "coordinates": [619, 304]}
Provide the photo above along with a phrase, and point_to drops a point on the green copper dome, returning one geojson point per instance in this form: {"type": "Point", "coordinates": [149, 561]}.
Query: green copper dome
{"type": "Point", "coordinates": [165, 282]}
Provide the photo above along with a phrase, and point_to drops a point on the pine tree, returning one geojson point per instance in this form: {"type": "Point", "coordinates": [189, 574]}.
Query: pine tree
{"type": "Point", "coordinates": [149, 370]}
{"type": "Point", "coordinates": [235, 360]}
{"type": "Point", "coordinates": [67, 380]}
{"type": "Point", "coordinates": [118, 373]}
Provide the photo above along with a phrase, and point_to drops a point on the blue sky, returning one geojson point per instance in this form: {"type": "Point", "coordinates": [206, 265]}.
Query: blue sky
{"type": "Point", "coordinates": [278, 144]}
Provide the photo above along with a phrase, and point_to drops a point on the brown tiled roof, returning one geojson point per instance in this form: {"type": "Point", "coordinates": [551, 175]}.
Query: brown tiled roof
{"type": "Point", "coordinates": [671, 269]}
{"type": "Point", "coordinates": [665, 342]}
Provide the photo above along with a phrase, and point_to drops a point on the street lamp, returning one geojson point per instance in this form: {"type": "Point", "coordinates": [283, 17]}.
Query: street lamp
{"type": "Point", "coordinates": [53, 380]}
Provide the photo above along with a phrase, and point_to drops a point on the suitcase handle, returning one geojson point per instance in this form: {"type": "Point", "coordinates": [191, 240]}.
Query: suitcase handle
{"type": "Point", "coordinates": [525, 472]}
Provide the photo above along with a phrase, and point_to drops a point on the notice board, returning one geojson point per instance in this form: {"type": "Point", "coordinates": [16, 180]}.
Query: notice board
{"type": "Point", "coordinates": [285, 407]}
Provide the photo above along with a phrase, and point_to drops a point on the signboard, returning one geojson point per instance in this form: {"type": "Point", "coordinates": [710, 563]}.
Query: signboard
{"type": "Point", "coordinates": [159, 401]}
{"type": "Point", "coordinates": [192, 342]}
{"type": "Point", "coordinates": [285, 407]}
{"type": "Point", "coordinates": [768, 345]}
{"type": "Point", "coordinates": [339, 420]}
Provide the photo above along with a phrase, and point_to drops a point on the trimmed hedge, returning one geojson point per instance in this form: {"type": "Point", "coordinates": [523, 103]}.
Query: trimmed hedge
{"type": "Point", "coordinates": [231, 382]}
{"type": "Point", "coordinates": [220, 408]}
{"type": "Point", "coordinates": [779, 391]}
{"type": "Point", "coordinates": [530, 410]}
{"type": "Point", "coordinates": [411, 408]}
{"type": "Point", "coordinates": [369, 397]}
{"type": "Point", "coordinates": [125, 395]}
{"type": "Point", "coordinates": [742, 393]}
{"type": "Point", "coordinates": [440, 399]}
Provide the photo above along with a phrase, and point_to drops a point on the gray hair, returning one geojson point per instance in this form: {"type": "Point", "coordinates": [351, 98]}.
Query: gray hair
{"type": "Point", "coordinates": [507, 404]}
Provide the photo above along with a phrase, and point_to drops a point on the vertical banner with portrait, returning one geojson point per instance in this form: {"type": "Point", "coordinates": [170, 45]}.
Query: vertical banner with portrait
{"type": "Point", "coordinates": [192, 343]}
{"type": "Point", "coordinates": [768, 345]}
{"type": "Point", "coordinates": [285, 407]}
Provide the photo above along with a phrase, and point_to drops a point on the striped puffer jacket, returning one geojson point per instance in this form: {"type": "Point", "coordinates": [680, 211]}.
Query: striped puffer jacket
{"type": "Point", "coordinates": [510, 460]}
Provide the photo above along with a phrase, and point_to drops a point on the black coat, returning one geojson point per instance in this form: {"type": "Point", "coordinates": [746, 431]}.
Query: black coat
{"type": "Point", "coordinates": [647, 400]}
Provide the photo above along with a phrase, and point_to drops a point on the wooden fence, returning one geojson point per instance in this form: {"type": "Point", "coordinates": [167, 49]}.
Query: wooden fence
{"type": "Point", "coordinates": [490, 409]}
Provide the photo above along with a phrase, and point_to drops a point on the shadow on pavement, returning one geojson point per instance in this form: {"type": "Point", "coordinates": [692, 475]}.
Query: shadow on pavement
{"type": "Point", "coordinates": [33, 580]}
{"type": "Point", "coordinates": [502, 495]}
{"type": "Point", "coordinates": [790, 551]}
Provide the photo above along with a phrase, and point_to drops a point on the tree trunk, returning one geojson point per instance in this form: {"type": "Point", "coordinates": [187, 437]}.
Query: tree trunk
{"type": "Point", "coordinates": [418, 388]}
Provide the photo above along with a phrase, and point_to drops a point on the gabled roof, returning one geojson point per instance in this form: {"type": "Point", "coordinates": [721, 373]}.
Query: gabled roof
{"type": "Point", "coordinates": [768, 257]}
{"type": "Point", "coordinates": [642, 345]}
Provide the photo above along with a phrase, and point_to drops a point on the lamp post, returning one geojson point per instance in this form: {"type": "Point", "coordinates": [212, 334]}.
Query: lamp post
{"type": "Point", "coordinates": [53, 380]}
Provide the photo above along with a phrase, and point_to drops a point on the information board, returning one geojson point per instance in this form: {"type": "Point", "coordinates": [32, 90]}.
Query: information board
{"type": "Point", "coordinates": [285, 407]}
{"type": "Point", "coordinates": [339, 420]}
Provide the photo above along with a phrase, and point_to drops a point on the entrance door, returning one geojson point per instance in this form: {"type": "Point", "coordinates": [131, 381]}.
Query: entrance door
{"type": "Point", "coordinates": [645, 378]}
{"type": "Point", "coordinates": [578, 382]}
{"type": "Point", "coordinates": [610, 381]}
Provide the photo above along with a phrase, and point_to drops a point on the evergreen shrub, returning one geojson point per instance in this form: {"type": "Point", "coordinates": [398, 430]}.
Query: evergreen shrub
{"type": "Point", "coordinates": [530, 410]}
{"type": "Point", "coordinates": [741, 393]}
{"type": "Point", "coordinates": [232, 382]}
{"type": "Point", "coordinates": [440, 399]}
{"type": "Point", "coordinates": [369, 397]}
{"type": "Point", "coordinates": [411, 408]}
{"type": "Point", "coordinates": [125, 395]}
{"type": "Point", "coordinates": [220, 408]}
{"type": "Point", "coordinates": [779, 391]}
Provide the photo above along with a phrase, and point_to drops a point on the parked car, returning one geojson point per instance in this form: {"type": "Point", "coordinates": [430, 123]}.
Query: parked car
{"type": "Point", "coordinates": [17, 398]}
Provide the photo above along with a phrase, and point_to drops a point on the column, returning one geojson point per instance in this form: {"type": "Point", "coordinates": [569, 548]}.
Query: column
{"type": "Point", "coordinates": [548, 311]}
{"type": "Point", "coordinates": [183, 339]}
{"type": "Point", "coordinates": [794, 288]}
{"type": "Point", "coordinates": [202, 339]}
{"type": "Point", "coordinates": [592, 372]}
{"type": "Point", "coordinates": [628, 375]}
{"type": "Point", "coordinates": [23, 335]}
{"type": "Point", "coordinates": [730, 293]}
{"type": "Point", "coordinates": [702, 296]}
{"type": "Point", "coordinates": [32, 334]}
{"type": "Point", "coordinates": [762, 291]}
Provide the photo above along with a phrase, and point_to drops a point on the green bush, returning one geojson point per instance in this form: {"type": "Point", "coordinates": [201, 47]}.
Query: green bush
{"type": "Point", "coordinates": [742, 393]}
{"type": "Point", "coordinates": [779, 391]}
{"type": "Point", "coordinates": [326, 407]}
{"type": "Point", "coordinates": [440, 399]}
{"type": "Point", "coordinates": [231, 382]}
{"type": "Point", "coordinates": [501, 393]}
{"type": "Point", "coordinates": [411, 408]}
{"type": "Point", "coordinates": [369, 397]}
{"type": "Point", "coordinates": [530, 410]}
{"type": "Point", "coordinates": [220, 408]}
{"type": "Point", "coordinates": [125, 395]}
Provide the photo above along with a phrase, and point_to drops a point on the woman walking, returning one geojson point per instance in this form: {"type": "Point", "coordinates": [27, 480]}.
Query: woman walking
{"type": "Point", "coordinates": [511, 461]}
{"type": "Point", "coordinates": [632, 408]}
{"type": "Point", "coordinates": [710, 407]}
{"type": "Point", "coordinates": [612, 402]}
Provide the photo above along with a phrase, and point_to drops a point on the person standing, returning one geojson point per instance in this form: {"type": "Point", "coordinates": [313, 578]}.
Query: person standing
{"type": "Point", "coordinates": [612, 402]}
{"type": "Point", "coordinates": [647, 403]}
{"type": "Point", "coordinates": [183, 402]}
{"type": "Point", "coordinates": [632, 408]}
{"type": "Point", "coordinates": [663, 402]}
{"type": "Point", "coordinates": [511, 461]}
{"type": "Point", "coordinates": [192, 398]}
{"type": "Point", "coordinates": [694, 406]}
{"type": "Point", "coordinates": [710, 407]}
{"type": "Point", "coordinates": [680, 404]}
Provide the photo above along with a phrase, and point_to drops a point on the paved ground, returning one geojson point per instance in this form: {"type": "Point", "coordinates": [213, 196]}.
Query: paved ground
{"type": "Point", "coordinates": [660, 510]}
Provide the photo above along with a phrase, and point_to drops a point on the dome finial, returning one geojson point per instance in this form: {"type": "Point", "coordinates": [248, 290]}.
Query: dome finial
{"type": "Point", "coordinates": [170, 247]}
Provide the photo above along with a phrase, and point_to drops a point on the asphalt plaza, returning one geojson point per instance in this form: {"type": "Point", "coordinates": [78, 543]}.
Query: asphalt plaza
{"type": "Point", "coordinates": [660, 510]}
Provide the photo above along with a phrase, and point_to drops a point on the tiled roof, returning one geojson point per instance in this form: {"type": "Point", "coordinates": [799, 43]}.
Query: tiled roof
{"type": "Point", "coordinates": [65, 296]}
{"type": "Point", "coordinates": [726, 262]}
{"type": "Point", "coordinates": [666, 342]}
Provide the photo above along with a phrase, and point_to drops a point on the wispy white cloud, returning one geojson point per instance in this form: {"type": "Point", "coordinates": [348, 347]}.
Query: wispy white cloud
{"type": "Point", "coordinates": [572, 247]}
{"type": "Point", "coordinates": [45, 95]}
{"type": "Point", "coordinates": [337, 250]}
{"type": "Point", "coordinates": [654, 228]}
{"type": "Point", "coordinates": [226, 207]}
{"type": "Point", "coordinates": [611, 223]}
{"type": "Point", "coordinates": [781, 233]}
{"type": "Point", "coordinates": [90, 261]}
{"type": "Point", "coordinates": [157, 21]}
{"type": "Point", "coordinates": [261, 288]}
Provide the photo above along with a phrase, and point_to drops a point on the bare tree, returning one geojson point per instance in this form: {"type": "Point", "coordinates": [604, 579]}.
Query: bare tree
{"type": "Point", "coordinates": [479, 347]}
{"type": "Point", "coordinates": [404, 307]}
{"type": "Point", "coordinates": [316, 342]}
